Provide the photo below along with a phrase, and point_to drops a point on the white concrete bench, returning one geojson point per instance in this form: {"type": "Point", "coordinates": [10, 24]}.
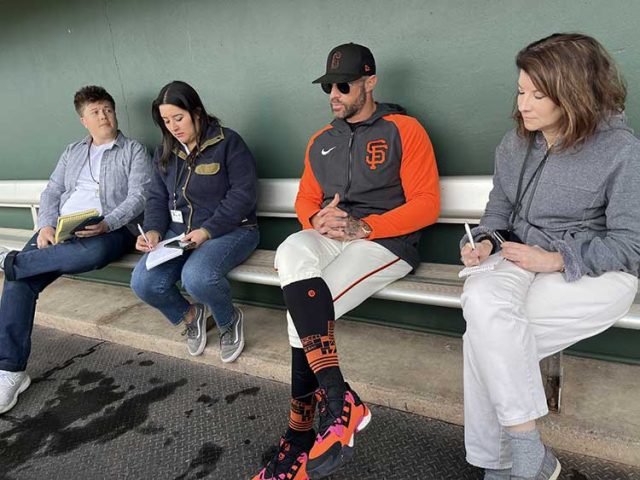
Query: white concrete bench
{"type": "Point", "coordinates": [463, 200]}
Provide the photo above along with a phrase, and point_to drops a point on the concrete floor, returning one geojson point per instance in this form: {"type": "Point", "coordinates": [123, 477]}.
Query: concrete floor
{"type": "Point", "coordinates": [101, 410]}
{"type": "Point", "coordinates": [405, 370]}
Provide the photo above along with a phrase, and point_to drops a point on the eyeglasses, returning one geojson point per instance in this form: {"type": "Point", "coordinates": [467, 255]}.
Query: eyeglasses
{"type": "Point", "coordinates": [343, 87]}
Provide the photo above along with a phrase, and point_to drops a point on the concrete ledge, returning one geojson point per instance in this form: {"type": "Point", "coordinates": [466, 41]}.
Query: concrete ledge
{"type": "Point", "coordinates": [405, 370]}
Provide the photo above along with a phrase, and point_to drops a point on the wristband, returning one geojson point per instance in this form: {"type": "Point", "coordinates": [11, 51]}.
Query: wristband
{"type": "Point", "coordinates": [482, 237]}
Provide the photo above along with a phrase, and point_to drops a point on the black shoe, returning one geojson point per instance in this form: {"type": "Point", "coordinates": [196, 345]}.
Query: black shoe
{"type": "Point", "coordinates": [290, 461]}
{"type": "Point", "coordinates": [341, 417]}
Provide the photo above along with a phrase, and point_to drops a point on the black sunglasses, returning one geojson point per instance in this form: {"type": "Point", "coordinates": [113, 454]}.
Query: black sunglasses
{"type": "Point", "coordinates": [343, 87]}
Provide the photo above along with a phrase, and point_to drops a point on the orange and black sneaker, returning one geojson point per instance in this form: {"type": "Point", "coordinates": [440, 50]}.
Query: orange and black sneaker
{"type": "Point", "coordinates": [290, 462]}
{"type": "Point", "coordinates": [340, 419]}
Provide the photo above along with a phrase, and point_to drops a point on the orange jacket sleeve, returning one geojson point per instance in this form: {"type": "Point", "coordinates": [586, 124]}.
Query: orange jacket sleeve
{"type": "Point", "coordinates": [419, 177]}
{"type": "Point", "coordinates": [309, 198]}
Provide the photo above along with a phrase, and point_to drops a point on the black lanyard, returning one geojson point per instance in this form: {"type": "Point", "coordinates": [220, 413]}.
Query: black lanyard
{"type": "Point", "coordinates": [97, 182]}
{"type": "Point", "coordinates": [536, 173]}
{"type": "Point", "coordinates": [179, 172]}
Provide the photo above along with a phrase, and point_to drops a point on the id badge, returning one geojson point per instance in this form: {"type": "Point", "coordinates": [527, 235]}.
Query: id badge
{"type": "Point", "coordinates": [176, 216]}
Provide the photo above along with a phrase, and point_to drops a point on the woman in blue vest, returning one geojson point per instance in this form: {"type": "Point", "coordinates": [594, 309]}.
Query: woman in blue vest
{"type": "Point", "coordinates": [204, 186]}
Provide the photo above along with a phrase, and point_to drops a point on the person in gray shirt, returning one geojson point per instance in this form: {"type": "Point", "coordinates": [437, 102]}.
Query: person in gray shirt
{"type": "Point", "coordinates": [564, 220]}
{"type": "Point", "coordinates": [106, 171]}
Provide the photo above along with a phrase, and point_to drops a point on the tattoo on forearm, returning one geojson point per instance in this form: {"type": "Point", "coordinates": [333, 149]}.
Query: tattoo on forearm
{"type": "Point", "coordinates": [353, 228]}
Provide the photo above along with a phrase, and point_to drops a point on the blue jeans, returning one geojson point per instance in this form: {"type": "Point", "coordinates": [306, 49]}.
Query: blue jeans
{"type": "Point", "coordinates": [203, 274]}
{"type": "Point", "coordinates": [34, 269]}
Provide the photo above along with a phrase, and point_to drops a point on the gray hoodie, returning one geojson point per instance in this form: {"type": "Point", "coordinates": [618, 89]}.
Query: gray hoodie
{"type": "Point", "coordinates": [585, 203]}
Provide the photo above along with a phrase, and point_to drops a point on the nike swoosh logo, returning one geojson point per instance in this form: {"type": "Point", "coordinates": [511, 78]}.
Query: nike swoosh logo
{"type": "Point", "coordinates": [326, 152]}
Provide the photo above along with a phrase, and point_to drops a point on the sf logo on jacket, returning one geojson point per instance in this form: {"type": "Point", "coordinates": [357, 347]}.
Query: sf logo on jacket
{"type": "Point", "coordinates": [377, 153]}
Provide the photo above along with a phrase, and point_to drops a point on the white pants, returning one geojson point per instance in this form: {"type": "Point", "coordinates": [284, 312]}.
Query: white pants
{"type": "Point", "coordinates": [514, 319]}
{"type": "Point", "coordinates": [353, 270]}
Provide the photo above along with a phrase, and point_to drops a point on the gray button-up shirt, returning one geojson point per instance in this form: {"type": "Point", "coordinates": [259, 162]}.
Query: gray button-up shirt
{"type": "Point", "coordinates": [125, 174]}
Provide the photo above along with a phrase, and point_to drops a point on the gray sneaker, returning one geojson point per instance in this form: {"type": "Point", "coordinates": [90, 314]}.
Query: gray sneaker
{"type": "Point", "coordinates": [196, 332]}
{"type": "Point", "coordinates": [232, 339]}
{"type": "Point", "coordinates": [549, 470]}
{"type": "Point", "coordinates": [12, 384]}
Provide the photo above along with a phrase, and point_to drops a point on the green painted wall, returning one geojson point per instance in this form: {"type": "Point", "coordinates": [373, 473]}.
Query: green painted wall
{"type": "Point", "coordinates": [450, 63]}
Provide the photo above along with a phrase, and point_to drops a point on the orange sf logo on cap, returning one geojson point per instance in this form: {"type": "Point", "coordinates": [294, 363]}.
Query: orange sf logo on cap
{"type": "Point", "coordinates": [377, 150]}
{"type": "Point", "coordinates": [335, 60]}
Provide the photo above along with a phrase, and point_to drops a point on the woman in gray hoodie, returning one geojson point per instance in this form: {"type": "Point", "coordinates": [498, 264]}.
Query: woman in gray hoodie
{"type": "Point", "coordinates": [566, 206]}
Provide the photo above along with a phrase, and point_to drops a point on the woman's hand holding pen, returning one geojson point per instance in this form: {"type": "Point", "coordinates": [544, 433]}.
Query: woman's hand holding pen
{"type": "Point", "coordinates": [474, 256]}
{"type": "Point", "coordinates": [147, 244]}
{"type": "Point", "coordinates": [534, 259]}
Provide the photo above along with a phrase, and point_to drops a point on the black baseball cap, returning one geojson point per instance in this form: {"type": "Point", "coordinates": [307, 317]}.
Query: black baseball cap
{"type": "Point", "coordinates": [347, 63]}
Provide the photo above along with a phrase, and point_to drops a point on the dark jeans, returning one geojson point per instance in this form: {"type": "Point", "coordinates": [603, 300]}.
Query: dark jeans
{"type": "Point", "coordinates": [203, 274]}
{"type": "Point", "coordinates": [34, 269]}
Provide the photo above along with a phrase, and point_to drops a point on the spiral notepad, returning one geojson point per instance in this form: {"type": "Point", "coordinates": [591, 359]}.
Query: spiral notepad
{"type": "Point", "coordinates": [67, 223]}
{"type": "Point", "coordinates": [486, 266]}
{"type": "Point", "coordinates": [161, 254]}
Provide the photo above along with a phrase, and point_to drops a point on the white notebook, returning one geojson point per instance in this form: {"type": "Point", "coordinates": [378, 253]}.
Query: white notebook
{"type": "Point", "coordinates": [162, 254]}
{"type": "Point", "coordinates": [486, 266]}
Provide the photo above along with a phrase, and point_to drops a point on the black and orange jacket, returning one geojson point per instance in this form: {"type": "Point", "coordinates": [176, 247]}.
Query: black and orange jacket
{"type": "Point", "coordinates": [385, 173]}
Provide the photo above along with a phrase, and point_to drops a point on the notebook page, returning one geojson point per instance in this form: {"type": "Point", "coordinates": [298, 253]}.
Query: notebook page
{"type": "Point", "coordinates": [488, 265]}
{"type": "Point", "coordinates": [162, 254]}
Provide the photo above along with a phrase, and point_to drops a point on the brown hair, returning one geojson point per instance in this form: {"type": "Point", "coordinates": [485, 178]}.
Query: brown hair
{"type": "Point", "coordinates": [91, 94]}
{"type": "Point", "coordinates": [183, 96]}
{"type": "Point", "coordinates": [578, 75]}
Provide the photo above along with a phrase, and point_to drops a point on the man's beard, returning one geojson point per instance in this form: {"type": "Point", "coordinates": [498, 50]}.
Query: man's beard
{"type": "Point", "coordinates": [354, 108]}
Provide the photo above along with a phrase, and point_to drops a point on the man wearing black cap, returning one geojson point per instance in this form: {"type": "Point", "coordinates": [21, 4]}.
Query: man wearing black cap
{"type": "Point", "coordinates": [370, 184]}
